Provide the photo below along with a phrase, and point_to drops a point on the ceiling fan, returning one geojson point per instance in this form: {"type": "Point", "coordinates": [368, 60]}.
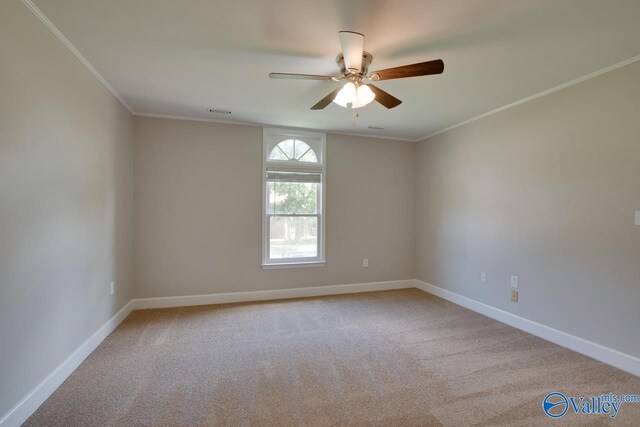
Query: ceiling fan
{"type": "Point", "coordinates": [354, 64]}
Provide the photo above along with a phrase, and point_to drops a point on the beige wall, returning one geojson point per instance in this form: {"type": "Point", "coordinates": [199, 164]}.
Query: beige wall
{"type": "Point", "coordinates": [546, 191]}
{"type": "Point", "coordinates": [65, 203]}
{"type": "Point", "coordinates": [198, 211]}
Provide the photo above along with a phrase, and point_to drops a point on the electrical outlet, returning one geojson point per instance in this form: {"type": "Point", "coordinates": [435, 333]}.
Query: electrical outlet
{"type": "Point", "coordinates": [112, 288]}
{"type": "Point", "coordinates": [515, 282]}
{"type": "Point", "coordinates": [637, 218]}
{"type": "Point", "coordinates": [514, 296]}
{"type": "Point", "coordinates": [365, 262]}
{"type": "Point", "coordinates": [483, 277]}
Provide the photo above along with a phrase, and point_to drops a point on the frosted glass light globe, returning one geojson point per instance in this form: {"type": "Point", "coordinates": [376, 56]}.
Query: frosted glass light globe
{"type": "Point", "coordinates": [365, 96]}
{"type": "Point", "coordinates": [347, 95]}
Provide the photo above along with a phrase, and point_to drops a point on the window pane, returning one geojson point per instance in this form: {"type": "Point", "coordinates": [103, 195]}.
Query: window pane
{"type": "Point", "coordinates": [293, 150]}
{"type": "Point", "coordinates": [300, 148]}
{"type": "Point", "coordinates": [287, 146]}
{"type": "Point", "coordinates": [309, 156]}
{"type": "Point", "coordinates": [277, 154]}
{"type": "Point", "coordinates": [293, 197]}
{"type": "Point", "coordinates": [293, 237]}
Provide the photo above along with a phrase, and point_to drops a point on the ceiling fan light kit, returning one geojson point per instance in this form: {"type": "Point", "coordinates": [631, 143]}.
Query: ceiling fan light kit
{"type": "Point", "coordinates": [354, 64]}
{"type": "Point", "coordinates": [355, 96]}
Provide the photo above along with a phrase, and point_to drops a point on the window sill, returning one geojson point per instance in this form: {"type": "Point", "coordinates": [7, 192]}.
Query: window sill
{"type": "Point", "coordinates": [275, 266]}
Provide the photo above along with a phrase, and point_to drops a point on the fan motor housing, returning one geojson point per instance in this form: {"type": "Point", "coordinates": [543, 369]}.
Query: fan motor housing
{"type": "Point", "coordinates": [367, 58]}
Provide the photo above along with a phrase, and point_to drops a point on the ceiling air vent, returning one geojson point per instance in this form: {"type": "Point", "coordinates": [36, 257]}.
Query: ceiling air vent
{"type": "Point", "coordinates": [218, 111]}
{"type": "Point", "coordinates": [378, 128]}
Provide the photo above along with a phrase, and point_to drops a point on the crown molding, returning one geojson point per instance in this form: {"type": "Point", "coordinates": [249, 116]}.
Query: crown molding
{"type": "Point", "coordinates": [197, 119]}
{"type": "Point", "coordinates": [47, 22]}
{"type": "Point", "coordinates": [536, 96]}
{"type": "Point", "coordinates": [42, 17]}
{"type": "Point", "coordinates": [255, 124]}
{"type": "Point", "coordinates": [365, 135]}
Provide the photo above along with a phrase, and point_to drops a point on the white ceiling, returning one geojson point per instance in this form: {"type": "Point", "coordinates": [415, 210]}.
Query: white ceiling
{"type": "Point", "coordinates": [178, 58]}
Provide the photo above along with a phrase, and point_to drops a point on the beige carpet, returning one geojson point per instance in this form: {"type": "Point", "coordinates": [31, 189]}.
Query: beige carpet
{"type": "Point", "coordinates": [393, 358]}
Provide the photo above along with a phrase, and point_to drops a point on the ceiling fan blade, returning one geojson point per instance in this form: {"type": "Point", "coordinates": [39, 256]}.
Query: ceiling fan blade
{"type": "Point", "coordinates": [384, 98]}
{"type": "Point", "coordinates": [300, 76]}
{"type": "Point", "coordinates": [413, 70]}
{"type": "Point", "coordinates": [352, 49]}
{"type": "Point", "coordinates": [326, 100]}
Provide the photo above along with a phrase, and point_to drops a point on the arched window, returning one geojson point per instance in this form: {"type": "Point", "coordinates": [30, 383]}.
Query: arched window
{"type": "Point", "coordinates": [293, 150]}
{"type": "Point", "coordinates": [293, 171]}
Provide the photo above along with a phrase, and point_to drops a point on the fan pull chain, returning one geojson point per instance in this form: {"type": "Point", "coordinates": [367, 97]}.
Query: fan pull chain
{"type": "Point", "coordinates": [356, 114]}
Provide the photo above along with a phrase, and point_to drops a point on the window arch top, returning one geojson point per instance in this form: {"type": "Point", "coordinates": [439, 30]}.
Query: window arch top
{"type": "Point", "coordinates": [293, 150]}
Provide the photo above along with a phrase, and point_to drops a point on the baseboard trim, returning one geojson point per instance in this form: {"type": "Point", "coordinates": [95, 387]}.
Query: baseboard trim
{"type": "Point", "coordinates": [29, 403]}
{"type": "Point", "coordinates": [315, 291]}
{"type": "Point", "coordinates": [36, 397]}
{"type": "Point", "coordinates": [607, 355]}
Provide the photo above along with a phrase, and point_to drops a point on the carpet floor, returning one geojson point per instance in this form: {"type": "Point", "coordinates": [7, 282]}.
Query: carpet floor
{"type": "Point", "coordinates": [392, 358]}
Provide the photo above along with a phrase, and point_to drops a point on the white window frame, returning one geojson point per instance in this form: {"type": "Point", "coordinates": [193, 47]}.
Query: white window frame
{"type": "Point", "coordinates": [317, 141]}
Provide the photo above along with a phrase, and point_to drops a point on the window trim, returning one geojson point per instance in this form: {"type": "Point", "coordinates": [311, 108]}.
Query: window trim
{"type": "Point", "coordinates": [317, 141]}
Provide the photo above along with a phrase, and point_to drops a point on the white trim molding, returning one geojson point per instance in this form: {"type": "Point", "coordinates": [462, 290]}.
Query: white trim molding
{"type": "Point", "coordinates": [535, 96]}
{"type": "Point", "coordinates": [268, 295]}
{"type": "Point", "coordinates": [36, 397]}
{"type": "Point", "coordinates": [256, 124]}
{"type": "Point", "coordinates": [47, 22]}
{"type": "Point", "coordinates": [293, 265]}
{"type": "Point", "coordinates": [65, 41]}
{"type": "Point", "coordinates": [316, 143]}
{"type": "Point", "coordinates": [29, 403]}
{"type": "Point", "coordinates": [607, 355]}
